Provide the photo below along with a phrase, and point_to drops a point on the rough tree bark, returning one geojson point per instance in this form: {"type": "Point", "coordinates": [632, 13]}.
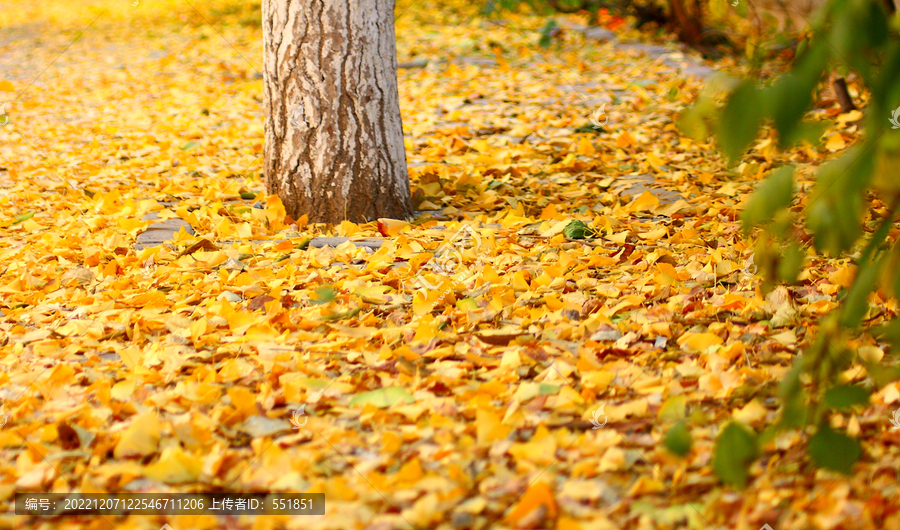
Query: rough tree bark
{"type": "Point", "coordinates": [688, 20]}
{"type": "Point", "coordinates": [334, 142]}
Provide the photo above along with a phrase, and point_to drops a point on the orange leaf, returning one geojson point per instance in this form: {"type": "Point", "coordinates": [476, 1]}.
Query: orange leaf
{"type": "Point", "coordinates": [538, 494]}
{"type": "Point", "coordinates": [625, 140]}
{"type": "Point", "coordinates": [391, 227]}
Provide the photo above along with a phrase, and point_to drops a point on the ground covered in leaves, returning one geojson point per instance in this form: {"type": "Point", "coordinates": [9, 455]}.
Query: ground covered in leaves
{"type": "Point", "coordinates": [426, 401]}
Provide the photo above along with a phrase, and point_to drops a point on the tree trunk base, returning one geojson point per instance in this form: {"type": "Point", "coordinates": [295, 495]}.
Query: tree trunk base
{"type": "Point", "coordinates": [334, 140]}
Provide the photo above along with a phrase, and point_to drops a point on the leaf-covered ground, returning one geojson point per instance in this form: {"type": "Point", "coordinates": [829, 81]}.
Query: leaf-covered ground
{"type": "Point", "coordinates": [469, 402]}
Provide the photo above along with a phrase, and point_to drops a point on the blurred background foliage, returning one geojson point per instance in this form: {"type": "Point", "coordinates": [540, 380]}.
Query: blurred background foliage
{"type": "Point", "coordinates": [850, 211]}
{"type": "Point", "coordinates": [754, 28]}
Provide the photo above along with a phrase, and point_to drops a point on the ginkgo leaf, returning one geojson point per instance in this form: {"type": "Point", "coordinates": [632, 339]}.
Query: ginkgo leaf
{"type": "Point", "coordinates": [383, 397]}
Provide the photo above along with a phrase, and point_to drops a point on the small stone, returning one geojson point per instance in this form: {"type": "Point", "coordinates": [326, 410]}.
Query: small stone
{"type": "Point", "coordinates": [463, 520]}
{"type": "Point", "coordinates": [599, 34]}
{"type": "Point", "coordinates": [321, 242]}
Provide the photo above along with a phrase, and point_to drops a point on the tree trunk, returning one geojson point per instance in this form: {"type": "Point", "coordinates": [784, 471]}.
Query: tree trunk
{"type": "Point", "coordinates": [843, 95]}
{"type": "Point", "coordinates": [688, 25]}
{"type": "Point", "coordinates": [334, 142]}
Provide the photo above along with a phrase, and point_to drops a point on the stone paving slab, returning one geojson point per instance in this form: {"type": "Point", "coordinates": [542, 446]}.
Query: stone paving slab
{"type": "Point", "coordinates": [160, 232]}
{"type": "Point", "coordinates": [644, 183]}
{"type": "Point", "coordinates": [373, 243]}
{"type": "Point", "coordinates": [672, 57]}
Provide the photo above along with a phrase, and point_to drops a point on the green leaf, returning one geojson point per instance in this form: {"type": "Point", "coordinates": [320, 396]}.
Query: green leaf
{"type": "Point", "coordinates": [740, 120]}
{"type": "Point", "coordinates": [547, 33]}
{"type": "Point", "coordinates": [678, 440]}
{"type": "Point", "coordinates": [467, 304]}
{"type": "Point", "coordinates": [324, 295]}
{"type": "Point", "coordinates": [889, 331]}
{"type": "Point", "coordinates": [248, 195]}
{"type": "Point", "coordinates": [882, 375]}
{"type": "Point", "coordinates": [772, 195]}
{"type": "Point", "coordinates": [833, 450]}
{"type": "Point", "coordinates": [845, 396]}
{"type": "Point", "coordinates": [790, 264]}
{"type": "Point", "coordinates": [790, 386]}
{"type": "Point", "coordinates": [791, 95]}
{"type": "Point", "coordinates": [189, 145]}
{"type": "Point", "coordinates": [577, 230]}
{"type": "Point", "coordinates": [794, 412]}
{"type": "Point", "coordinates": [23, 217]}
{"type": "Point", "coordinates": [837, 204]}
{"type": "Point", "coordinates": [303, 244]}
{"type": "Point", "coordinates": [548, 390]}
{"type": "Point", "coordinates": [590, 128]}
{"type": "Point", "coordinates": [735, 451]}
{"type": "Point", "coordinates": [383, 397]}
{"type": "Point", "coordinates": [809, 132]}
{"type": "Point", "coordinates": [696, 120]}
{"type": "Point", "coordinates": [334, 317]}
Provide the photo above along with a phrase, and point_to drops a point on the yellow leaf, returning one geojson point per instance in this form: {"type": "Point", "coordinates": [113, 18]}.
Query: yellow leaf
{"type": "Point", "coordinates": [392, 227]}
{"type": "Point", "coordinates": [646, 201]}
{"type": "Point", "coordinates": [625, 140]}
{"type": "Point", "coordinates": [519, 283]}
{"type": "Point", "coordinates": [550, 212]}
{"type": "Point", "coordinates": [699, 341]}
{"type": "Point", "coordinates": [870, 354]}
{"type": "Point", "coordinates": [646, 486]}
{"type": "Point", "coordinates": [835, 142]}
{"type": "Point", "coordinates": [597, 380]}
{"type": "Point", "coordinates": [654, 235]}
{"type": "Point", "coordinates": [410, 473]}
{"type": "Point", "coordinates": [347, 229]}
{"type": "Point", "coordinates": [557, 228]}
{"type": "Point", "coordinates": [540, 450]}
{"type": "Point", "coordinates": [668, 270]}
{"type": "Point", "coordinates": [751, 413]}
{"type": "Point", "coordinates": [488, 427]}
{"type": "Point", "coordinates": [853, 115]}
{"type": "Point", "coordinates": [175, 467]}
{"type": "Point", "coordinates": [373, 294]}
{"type": "Point", "coordinates": [536, 496]}
{"type": "Point", "coordinates": [843, 276]}
{"type": "Point", "coordinates": [674, 408]}
{"type": "Point", "coordinates": [131, 356]}
{"type": "Point", "coordinates": [613, 460]}
{"type": "Point", "coordinates": [655, 161]}
{"type": "Point", "coordinates": [390, 442]}
{"type": "Point", "coordinates": [585, 147]}
{"type": "Point", "coordinates": [141, 438]}
{"type": "Point", "coordinates": [123, 390]}
{"type": "Point", "coordinates": [31, 225]}
{"type": "Point", "coordinates": [731, 351]}
{"type": "Point", "coordinates": [243, 401]}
